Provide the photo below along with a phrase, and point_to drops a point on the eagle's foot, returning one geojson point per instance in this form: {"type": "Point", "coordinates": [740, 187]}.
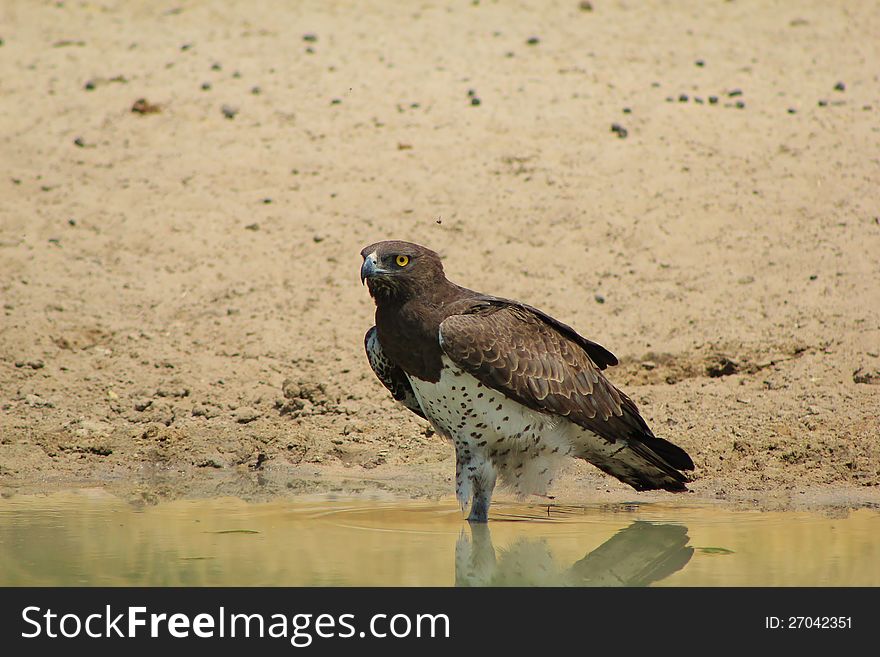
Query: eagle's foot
{"type": "Point", "coordinates": [480, 507]}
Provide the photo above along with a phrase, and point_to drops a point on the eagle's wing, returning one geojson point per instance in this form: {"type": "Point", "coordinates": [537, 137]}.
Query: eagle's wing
{"type": "Point", "coordinates": [511, 348]}
{"type": "Point", "coordinates": [391, 376]}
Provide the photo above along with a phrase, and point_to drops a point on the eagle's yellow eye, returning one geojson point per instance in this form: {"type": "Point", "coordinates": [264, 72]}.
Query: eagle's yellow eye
{"type": "Point", "coordinates": [402, 260]}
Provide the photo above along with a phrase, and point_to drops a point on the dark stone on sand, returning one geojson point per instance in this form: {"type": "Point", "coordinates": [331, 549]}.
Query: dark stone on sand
{"type": "Point", "coordinates": [722, 366]}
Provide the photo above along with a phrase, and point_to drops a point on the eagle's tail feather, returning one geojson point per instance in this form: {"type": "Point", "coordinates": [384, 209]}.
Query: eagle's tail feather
{"type": "Point", "coordinates": [672, 454]}
{"type": "Point", "coordinates": [645, 469]}
{"type": "Point", "coordinates": [645, 463]}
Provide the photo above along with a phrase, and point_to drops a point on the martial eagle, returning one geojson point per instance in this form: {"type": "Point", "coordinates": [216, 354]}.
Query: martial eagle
{"type": "Point", "coordinates": [515, 390]}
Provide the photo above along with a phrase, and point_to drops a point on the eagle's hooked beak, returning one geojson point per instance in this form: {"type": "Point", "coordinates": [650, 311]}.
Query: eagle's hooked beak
{"type": "Point", "coordinates": [369, 267]}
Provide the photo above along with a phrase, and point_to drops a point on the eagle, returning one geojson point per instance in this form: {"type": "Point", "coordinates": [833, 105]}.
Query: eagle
{"type": "Point", "coordinates": [515, 390]}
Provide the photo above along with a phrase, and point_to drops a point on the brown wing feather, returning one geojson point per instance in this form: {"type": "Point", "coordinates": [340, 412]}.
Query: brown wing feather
{"type": "Point", "coordinates": [513, 350]}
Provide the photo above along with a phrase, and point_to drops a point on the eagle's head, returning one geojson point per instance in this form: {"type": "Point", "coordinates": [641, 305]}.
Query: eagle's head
{"type": "Point", "coordinates": [396, 270]}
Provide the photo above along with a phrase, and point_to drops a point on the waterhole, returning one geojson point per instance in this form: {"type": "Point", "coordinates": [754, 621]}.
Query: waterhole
{"type": "Point", "coordinates": [91, 538]}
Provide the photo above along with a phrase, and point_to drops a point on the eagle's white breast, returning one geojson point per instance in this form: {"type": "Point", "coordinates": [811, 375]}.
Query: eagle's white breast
{"type": "Point", "coordinates": [492, 433]}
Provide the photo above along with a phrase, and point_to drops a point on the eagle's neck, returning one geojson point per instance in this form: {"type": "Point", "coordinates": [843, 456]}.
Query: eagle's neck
{"type": "Point", "coordinates": [408, 328]}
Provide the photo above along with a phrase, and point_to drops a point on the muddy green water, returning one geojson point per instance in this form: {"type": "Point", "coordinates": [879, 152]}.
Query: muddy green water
{"type": "Point", "coordinates": [91, 538]}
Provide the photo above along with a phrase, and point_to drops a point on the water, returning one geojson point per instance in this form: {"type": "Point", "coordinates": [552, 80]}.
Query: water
{"type": "Point", "coordinates": [91, 538]}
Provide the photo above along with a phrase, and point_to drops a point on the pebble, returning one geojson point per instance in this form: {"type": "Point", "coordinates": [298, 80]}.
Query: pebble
{"type": "Point", "coordinates": [143, 106]}
{"type": "Point", "coordinates": [870, 377]}
{"type": "Point", "coordinates": [91, 429]}
{"type": "Point", "coordinates": [619, 130]}
{"type": "Point", "coordinates": [245, 414]}
{"type": "Point", "coordinates": [163, 415]}
{"type": "Point", "coordinates": [683, 98]}
{"type": "Point", "coordinates": [33, 364]}
{"type": "Point", "coordinates": [599, 298]}
{"type": "Point", "coordinates": [172, 392]}
{"type": "Point", "coordinates": [204, 410]}
{"type": "Point", "coordinates": [151, 431]}
{"type": "Point", "coordinates": [475, 101]}
{"type": "Point", "coordinates": [533, 41]}
{"type": "Point", "coordinates": [734, 93]}
{"type": "Point", "coordinates": [840, 86]}
{"type": "Point", "coordinates": [713, 100]}
{"type": "Point", "coordinates": [36, 401]}
{"type": "Point", "coordinates": [142, 404]}
{"type": "Point", "coordinates": [229, 112]}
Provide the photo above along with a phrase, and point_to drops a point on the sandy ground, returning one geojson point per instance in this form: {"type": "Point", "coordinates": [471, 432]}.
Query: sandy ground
{"type": "Point", "coordinates": [181, 309]}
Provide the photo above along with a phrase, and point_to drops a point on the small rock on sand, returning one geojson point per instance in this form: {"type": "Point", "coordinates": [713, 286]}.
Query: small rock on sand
{"type": "Point", "coordinates": [245, 414]}
{"type": "Point", "coordinates": [865, 375]}
{"type": "Point", "coordinates": [32, 364]}
{"type": "Point", "coordinates": [36, 401]}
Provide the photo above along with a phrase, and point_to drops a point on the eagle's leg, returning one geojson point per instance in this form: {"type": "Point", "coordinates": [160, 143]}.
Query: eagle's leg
{"type": "Point", "coordinates": [482, 483]}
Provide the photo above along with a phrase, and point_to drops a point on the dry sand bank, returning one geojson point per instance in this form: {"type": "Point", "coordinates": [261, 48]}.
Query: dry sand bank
{"type": "Point", "coordinates": [165, 271]}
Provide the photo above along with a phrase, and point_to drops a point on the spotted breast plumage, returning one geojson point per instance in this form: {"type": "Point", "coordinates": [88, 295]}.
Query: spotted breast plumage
{"type": "Point", "coordinates": [515, 390]}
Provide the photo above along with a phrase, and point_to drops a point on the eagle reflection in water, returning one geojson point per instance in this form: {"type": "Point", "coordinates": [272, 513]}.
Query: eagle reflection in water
{"type": "Point", "coordinates": [639, 555]}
